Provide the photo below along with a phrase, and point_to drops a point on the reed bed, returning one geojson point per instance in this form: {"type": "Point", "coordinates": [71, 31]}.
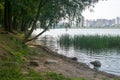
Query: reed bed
{"type": "Point", "coordinates": [66, 40]}
{"type": "Point", "coordinates": [90, 41]}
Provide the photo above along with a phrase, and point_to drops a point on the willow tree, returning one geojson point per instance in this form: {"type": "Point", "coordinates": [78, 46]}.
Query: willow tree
{"type": "Point", "coordinates": [50, 12]}
{"type": "Point", "coordinates": [23, 14]}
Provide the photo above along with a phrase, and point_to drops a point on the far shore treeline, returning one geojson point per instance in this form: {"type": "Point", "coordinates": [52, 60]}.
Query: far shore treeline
{"type": "Point", "coordinates": [22, 15]}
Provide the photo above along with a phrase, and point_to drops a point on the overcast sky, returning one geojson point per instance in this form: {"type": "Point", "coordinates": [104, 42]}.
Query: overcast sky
{"type": "Point", "coordinates": [104, 10]}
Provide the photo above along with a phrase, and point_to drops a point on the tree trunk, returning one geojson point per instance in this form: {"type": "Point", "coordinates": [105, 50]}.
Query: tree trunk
{"type": "Point", "coordinates": [46, 28]}
{"type": "Point", "coordinates": [7, 16]}
{"type": "Point", "coordinates": [15, 23]}
{"type": "Point", "coordinates": [34, 22]}
{"type": "Point", "coordinates": [25, 24]}
{"type": "Point", "coordinates": [0, 16]}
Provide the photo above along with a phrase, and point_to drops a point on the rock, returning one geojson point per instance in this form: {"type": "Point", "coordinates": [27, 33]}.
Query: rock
{"type": "Point", "coordinates": [34, 63]}
{"type": "Point", "coordinates": [74, 58]}
{"type": "Point", "coordinates": [96, 64]}
{"type": "Point", "coordinates": [51, 61]}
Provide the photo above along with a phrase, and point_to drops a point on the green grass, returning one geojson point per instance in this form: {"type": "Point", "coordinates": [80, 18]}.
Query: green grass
{"type": "Point", "coordinates": [12, 66]}
{"type": "Point", "coordinates": [55, 76]}
{"type": "Point", "coordinates": [90, 41]}
{"type": "Point", "coordinates": [79, 79]}
{"type": "Point", "coordinates": [11, 73]}
{"type": "Point", "coordinates": [14, 52]}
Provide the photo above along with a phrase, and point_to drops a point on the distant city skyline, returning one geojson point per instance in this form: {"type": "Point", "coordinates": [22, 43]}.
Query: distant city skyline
{"type": "Point", "coordinates": [102, 23]}
{"type": "Point", "coordinates": [107, 9]}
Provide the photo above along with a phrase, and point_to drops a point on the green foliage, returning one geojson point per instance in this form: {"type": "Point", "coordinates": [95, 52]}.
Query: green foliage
{"type": "Point", "coordinates": [54, 11]}
{"type": "Point", "coordinates": [24, 14]}
{"type": "Point", "coordinates": [1, 6]}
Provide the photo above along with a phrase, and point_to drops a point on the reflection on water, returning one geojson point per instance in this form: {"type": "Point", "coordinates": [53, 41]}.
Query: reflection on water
{"type": "Point", "coordinates": [110, 59]}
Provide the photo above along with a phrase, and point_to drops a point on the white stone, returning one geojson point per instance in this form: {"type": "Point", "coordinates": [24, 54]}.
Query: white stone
{"type": "Point", "coordinates": [49, 61]}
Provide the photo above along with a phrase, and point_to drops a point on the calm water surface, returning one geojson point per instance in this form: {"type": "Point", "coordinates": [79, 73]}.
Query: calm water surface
{"type": "Point", "coordinates": [110, 59]}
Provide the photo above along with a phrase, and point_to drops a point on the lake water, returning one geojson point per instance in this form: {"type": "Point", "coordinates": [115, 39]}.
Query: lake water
{"type": "Point", "coordinates": [110, 59]}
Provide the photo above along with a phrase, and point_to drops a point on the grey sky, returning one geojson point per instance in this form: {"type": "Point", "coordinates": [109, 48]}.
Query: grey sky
{"type": "Point", "coordinates": [104, 9]}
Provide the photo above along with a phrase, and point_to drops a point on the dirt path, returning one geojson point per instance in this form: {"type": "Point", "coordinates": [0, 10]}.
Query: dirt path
{"type": "Point", "coordinates": [66, 66]}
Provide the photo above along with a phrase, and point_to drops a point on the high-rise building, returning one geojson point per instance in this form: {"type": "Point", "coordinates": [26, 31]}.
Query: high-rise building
{"type": "Point", "coordinates": [102, 22]}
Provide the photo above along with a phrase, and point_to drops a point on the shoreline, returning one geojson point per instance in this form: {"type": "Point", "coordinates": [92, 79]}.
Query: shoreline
{"type": "Point", "coordinates": [78, 65]}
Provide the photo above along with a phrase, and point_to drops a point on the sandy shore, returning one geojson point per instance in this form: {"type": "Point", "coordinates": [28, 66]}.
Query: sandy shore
{"type": "Point", "coordinates": [66, 66]}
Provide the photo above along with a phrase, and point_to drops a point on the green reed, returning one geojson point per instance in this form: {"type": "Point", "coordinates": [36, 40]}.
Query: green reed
{"type": "Point", "coordinates": [90, 41]}
{"type": "Point", "coordinates": [65, 40]}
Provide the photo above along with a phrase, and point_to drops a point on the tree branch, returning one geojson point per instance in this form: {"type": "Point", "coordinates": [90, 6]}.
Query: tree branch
{"type": "Point", "coordinates": [38, 34]}
{"type": "Point", "coordinates": [46, 28]}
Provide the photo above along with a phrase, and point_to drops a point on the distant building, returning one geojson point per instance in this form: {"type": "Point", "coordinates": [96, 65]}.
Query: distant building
{"type": "Point", "coordinates": [103, 22]}
{"type": "Point", "coordinates": [118, 21]}
{"type": "Point", "coordinates": [94, 23]}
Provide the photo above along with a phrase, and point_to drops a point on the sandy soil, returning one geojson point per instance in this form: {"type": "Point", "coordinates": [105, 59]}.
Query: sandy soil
{"type": "Point", "coordinates": [66, 66]}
